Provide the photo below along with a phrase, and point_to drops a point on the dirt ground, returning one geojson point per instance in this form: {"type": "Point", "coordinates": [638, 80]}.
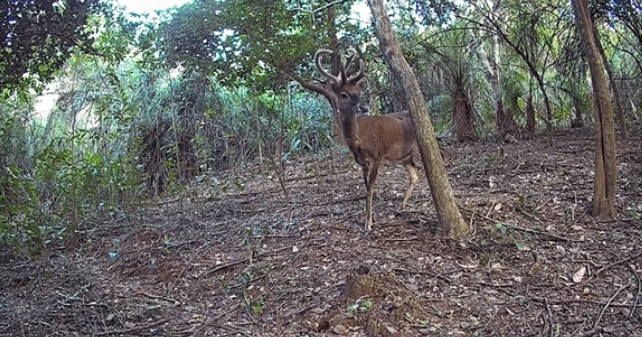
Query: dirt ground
{"type": "Point", "coordinates": [233, 257]}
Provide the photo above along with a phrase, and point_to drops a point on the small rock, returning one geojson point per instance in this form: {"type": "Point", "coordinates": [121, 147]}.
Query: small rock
{"type": "Point", "coordinates": [340, 329]}
{"type": "Point", "coordinates": [579, 275]}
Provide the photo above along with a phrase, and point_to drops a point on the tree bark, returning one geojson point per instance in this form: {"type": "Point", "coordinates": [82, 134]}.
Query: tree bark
{"type": "Point", "coordinates": [530, 114]}
{"type": "Point", "coordinates": [462, 117]}
{"type": "Point", "coordinates": [506, 125]}
{"type": "Point", "coordinates": [577, 120]}
{"type": "Point", "coordinates": [442, 194]}
{"type": "Point", "coordinates": [605, 161]}
{"type": "Point", "coordinates": [617, 99]}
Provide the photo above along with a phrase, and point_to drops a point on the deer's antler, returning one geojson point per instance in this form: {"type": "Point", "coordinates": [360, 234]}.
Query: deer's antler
{"type": "Point", "coordinates": [325, 73]}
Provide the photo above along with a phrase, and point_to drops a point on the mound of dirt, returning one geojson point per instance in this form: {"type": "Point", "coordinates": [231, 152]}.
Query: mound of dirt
{"type": "Point", "coordinates": [378, 304]}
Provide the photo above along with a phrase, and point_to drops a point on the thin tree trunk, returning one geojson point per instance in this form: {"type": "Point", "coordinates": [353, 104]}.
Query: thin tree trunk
{"type": "Point", "coordinates": [577, 121]}
{"type": "Point", "coordinates": [617, 98]}
{"type": "Point", "coordinates": [506, 125]}
{"type": "Point", "coordinates": [605, 161]}
{"type": "Point", "coordinates": [398, 100]}
{"type": "Point", "coordinates": [462, 117]}
{"type": "Point", "coordinates": [530, 114]}
{"type": "Point", "coordinates": [442, 194]}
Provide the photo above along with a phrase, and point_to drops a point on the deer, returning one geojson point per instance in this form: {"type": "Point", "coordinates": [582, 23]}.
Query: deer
{"type": "Point", "coordinates": [373, 140]}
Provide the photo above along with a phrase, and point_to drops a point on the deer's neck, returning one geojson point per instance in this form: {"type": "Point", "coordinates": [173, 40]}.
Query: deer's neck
{"type": "Point", "coordinates": [350, 129]}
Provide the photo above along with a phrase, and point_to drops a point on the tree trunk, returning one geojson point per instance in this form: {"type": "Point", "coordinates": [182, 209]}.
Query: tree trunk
{"type": "Point", "coordinates": [530, 114]}
{"type": "Point", "coordinates": [577, 121]}
{"type": "Point", "coordinates": [442, 194]}
{"type": "Point", "coordinates": [398, 102]}
{"type": "Point", "coordinates": [462, 117]}
{"type": "Point", "coordinates": [605, 161]}
{"type": "Point", "coordinates": [506, 125]}
{"type": "Point", "coordinates": [617, 99]}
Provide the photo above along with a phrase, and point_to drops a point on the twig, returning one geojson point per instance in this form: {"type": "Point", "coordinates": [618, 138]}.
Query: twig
{"type": "Point", "coordinates": [482, 283]}
{"type": "Point", "coordinates": [322, 8]}
{"type": "Point", "coordinates": [543, 204]}
{"type": "Point", "coordinates": [156, 297]}
{"type": "Point", "coordinates": [170, 201]}
{"type": "Point", "coordinates": [533, 217]}
{"type": "Point", "coordinates": [592, 332]}
{"type": "Point", "coordinates": [339, 201]}
{"type": "Point", "coordinates": [616, 263]}
{"type": "Point", "coordinates": [301, 311]}
{"type": "Point", "coordinates": [235, 262]}
{"type": "Point", "coordinates": [402, 239]}
{"type": "Point", "coordinates": [311, 176]}
{"type": "Point", "coordinates": [637, 297]}
{"type": "Point", "coordinates": [573, 300]}
{"type": "Point", "coordinates": [226, 265]}
{"type": "Point", "coordinates": [137, 328]}
{"type": "Point", "coordinates": [487, 323]}
{"type": "Point", "coordinates": [597, 321]}
{"type": "Point", "coordinates": [444, 278]}
{"type": "Point", "coordinates": [534, 231]}
{"type": "Point", "coordinates": [247, 282]}
{"type": "Point", "coordinates": [551, 322]}
{"type": "Point", "coordinates": [225, 313]}
{"type": "Point", "coordinates": [185, 268]}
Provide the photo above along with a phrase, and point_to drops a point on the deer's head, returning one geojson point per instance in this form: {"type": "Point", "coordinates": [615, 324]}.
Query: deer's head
{"type": "Point", "coordinates": [346, 89]}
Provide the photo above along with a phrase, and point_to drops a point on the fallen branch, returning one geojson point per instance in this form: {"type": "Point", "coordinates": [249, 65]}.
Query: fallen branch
{"type": "Point", "coordinates": [616, 263]}
{"type": "Point", "coordinates": [534, 231]}
{"type": "Point", "coordinates": [401, 239]}
{"type": "Point", "coordinates": [226, 265]}
{"type": "Point", "coordinates": [441, 277]}
{"type": "Point", "coordinates": [528, 230]}
{"type": "Point", "coordinates": [185, 268]}
{"type": "Point", "coordinates": [156, 297]}
{"type": "Point", "coordinates": [308, 177]}
{"type": "Point", "coordinates": [533, 217]}
{"type": "Point", "coordinates": [301, 311]}
{"type": "Point", "coordinates": [551, 322]}
{"type": "Point", "coordinates": [597, 320]}
{"type": "Point", "coordinates": [239, 261]}
{"type": "Point", "coordinates": [130, 330]}
{"type": "Point", "coordinates": [580, 301]}
{"type": "Point", "coordinates": [340, 201]}
{"type": "Point", "coordinates": [592, 332]}
{"type": "Point", "coordinates": [637, 297]}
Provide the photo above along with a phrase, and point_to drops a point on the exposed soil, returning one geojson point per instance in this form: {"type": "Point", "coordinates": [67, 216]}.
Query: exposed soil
{"type": "Point", "coordinates": [224, 261]}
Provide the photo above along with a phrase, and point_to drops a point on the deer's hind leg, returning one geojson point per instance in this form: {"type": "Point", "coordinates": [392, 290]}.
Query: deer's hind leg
{"type": "Point", "coordinates": [409, 164]}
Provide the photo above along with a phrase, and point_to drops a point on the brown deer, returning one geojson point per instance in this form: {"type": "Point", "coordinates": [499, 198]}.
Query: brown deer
{"type": "Point", "coordinates": [373, 140]}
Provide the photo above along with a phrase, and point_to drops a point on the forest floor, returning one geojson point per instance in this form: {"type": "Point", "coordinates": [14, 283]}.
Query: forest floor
{"type": "Point", "coordinates": [233, 257]}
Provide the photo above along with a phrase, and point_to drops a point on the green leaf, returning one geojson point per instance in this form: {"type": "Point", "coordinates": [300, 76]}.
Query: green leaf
{"type": "Point", "coordinates": [258, 309]}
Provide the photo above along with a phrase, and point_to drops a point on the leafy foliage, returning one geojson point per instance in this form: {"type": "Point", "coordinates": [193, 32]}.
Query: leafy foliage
{"type": "Point", "coordinates": [258, 44]}
{"type": "Point", "coordinates": [38, 36]}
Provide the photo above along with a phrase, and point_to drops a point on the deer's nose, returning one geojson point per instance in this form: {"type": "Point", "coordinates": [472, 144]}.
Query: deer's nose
{"type": "Point", "coordinates": [362, 108]}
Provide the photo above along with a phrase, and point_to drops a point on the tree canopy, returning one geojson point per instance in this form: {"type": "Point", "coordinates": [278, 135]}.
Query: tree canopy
{"type": "Point", "coordinates": [39, 35]}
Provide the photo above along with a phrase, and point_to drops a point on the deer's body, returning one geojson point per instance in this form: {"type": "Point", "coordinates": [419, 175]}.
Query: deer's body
{"type": "Point", "coordinates": [373, 140]}
{"type": "Point", "coordinates": [394, 133]}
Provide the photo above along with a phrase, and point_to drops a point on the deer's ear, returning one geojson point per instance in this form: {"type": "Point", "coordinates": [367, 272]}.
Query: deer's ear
{"type": "Point", "coordinates": [362, 84]}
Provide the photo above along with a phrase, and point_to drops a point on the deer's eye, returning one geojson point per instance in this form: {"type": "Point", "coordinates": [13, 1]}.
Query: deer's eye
{"type": "Point", "coordinates": [345, 95]}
